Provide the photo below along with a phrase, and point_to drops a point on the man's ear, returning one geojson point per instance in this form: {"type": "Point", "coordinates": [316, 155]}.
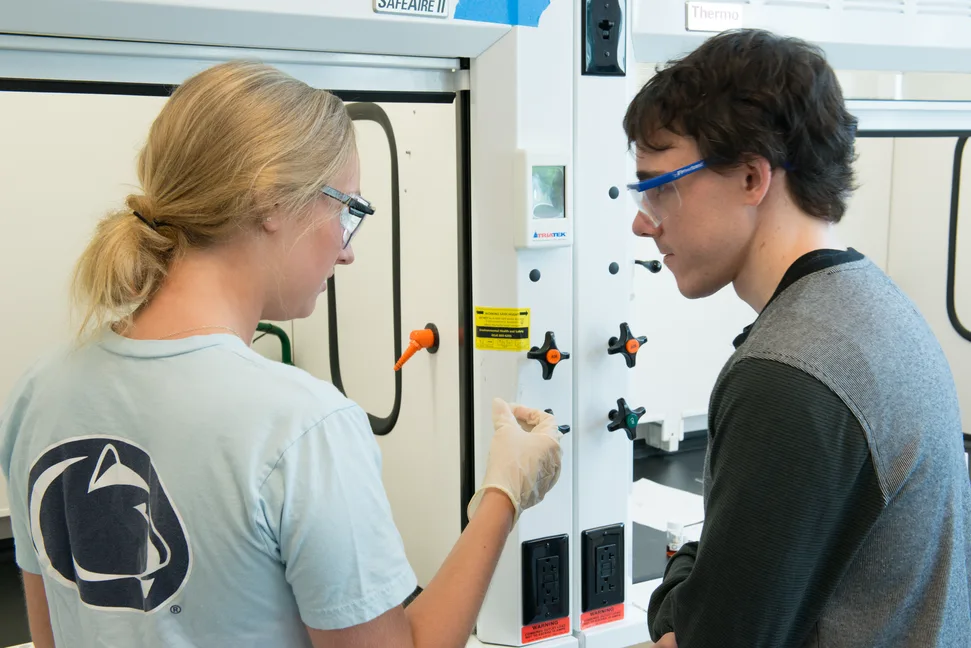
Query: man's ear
{"type": "Point", "coordinates": [757, 178]}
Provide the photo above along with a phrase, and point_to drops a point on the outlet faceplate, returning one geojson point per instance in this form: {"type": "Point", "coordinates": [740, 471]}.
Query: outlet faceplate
{"type": "Point", "coordinates": [604, 38]}
{"type": "Point", "coordinates": [603, 567]}
{"type": "Point", "coordinates": [546, 579]}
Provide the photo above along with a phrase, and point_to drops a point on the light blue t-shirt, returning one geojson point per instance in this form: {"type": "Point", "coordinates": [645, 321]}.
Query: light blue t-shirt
{"type": "Point", "coordinates": [192, 493]}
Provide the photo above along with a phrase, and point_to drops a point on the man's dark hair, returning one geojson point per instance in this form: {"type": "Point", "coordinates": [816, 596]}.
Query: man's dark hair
{"type": "Point", "coordinates": [747, 93]}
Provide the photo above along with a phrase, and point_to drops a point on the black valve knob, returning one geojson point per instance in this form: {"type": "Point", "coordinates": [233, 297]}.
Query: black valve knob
{"type": "Point", "coordinates": [548, 355]}
{"type": "Point", "coordinates": [626, 418]}
{"type": "Point", "coordinates": [626, 344]}
{"type": "Point", "coordinates": [564, 429]}
{"type": "Point", "coordinates": [653, 265]}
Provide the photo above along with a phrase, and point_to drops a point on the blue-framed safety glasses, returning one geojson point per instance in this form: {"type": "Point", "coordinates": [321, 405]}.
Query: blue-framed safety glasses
{"type": "Point", "coordinates": [352, 214]}
{"type": "Point", "coordinates": [658, 197]}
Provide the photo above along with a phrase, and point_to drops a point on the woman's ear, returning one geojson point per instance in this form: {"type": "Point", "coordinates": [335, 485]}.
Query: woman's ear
{"type": "Point", "coordinates": [270, 224]}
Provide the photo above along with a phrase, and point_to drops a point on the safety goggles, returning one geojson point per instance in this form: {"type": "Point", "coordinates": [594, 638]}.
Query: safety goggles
{"type": "Point", "coordinates": [352, 214]}
{"type": "Point", "coordinates": [658, 197]}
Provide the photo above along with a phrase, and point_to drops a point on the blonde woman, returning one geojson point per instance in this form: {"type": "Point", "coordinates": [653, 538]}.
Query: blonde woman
{"type": "Point", "coordinates": [171, 487]}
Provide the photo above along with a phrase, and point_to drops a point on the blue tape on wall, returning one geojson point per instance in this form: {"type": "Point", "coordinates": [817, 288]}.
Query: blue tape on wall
{"type": "Point", "coordinates": [522, 13]}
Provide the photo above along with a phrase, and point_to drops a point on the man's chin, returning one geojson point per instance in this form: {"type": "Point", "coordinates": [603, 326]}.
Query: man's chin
{"type": "Point", "coordinates": [693, 290]}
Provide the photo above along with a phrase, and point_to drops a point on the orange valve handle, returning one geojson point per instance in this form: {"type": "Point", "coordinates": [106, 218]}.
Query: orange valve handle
{"type": "Point", "coordinates": [426, 338]}
{"type": "Point", "coordinates": [626, 344]}
{"type": "Point", "coordinates": [548, 355]}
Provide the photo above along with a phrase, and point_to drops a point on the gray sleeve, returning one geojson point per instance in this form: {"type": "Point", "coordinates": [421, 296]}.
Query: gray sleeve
{"type": "Point", "coordinates": [793, 496]}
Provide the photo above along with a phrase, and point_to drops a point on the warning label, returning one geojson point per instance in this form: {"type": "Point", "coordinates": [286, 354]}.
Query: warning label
{"type": "Point", "coordinates": [502, 329]}
{"type": "Point", "coordinates": [546, 630]}
{"type": "Point", "coordinates": [595, 618]}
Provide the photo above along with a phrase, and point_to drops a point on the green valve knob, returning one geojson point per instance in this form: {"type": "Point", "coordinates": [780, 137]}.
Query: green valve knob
{"type": "Point", "coordinates": [626, 418]}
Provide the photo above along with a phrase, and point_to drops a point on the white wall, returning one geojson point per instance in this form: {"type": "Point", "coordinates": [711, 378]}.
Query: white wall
{"type": "Point", "coordinates": [866, 225]}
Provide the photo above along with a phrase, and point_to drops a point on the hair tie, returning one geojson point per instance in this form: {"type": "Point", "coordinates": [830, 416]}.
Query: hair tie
{"type": "Point", "coordinates": [144, 220]}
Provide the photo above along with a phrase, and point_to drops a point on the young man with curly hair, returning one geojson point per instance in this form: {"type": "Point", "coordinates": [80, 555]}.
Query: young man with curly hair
{"type": "Point", "coordinates": [837, 501]}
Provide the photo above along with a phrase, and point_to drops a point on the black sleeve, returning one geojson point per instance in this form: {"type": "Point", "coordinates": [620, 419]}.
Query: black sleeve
{"type": "Point", "coordinates": [659, 612]}
{"type": "Point", "coordinates": [793, 496]}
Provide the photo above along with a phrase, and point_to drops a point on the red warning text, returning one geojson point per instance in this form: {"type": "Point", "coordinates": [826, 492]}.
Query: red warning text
{"type": "Point", "coordinates": [595, 618]}
{"type": "Point", "coordinates": [546, 630]}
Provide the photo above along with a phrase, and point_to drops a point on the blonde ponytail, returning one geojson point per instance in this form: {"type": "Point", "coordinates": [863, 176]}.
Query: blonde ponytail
{"type": "Point", "coordinates": [231, 144]}
{"type": "Point", "coordinates": [122, 266]}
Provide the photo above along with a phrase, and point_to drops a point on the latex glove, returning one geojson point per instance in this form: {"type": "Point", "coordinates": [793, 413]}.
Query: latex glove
{"type": "Point", "coordinates": [524, 458]}
{"type": "Point", "coordinates": [667, 641]}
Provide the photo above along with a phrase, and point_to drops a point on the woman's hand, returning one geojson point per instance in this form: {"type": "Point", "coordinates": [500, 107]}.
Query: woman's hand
{"type": "Point", "coordinates": [525, 456]}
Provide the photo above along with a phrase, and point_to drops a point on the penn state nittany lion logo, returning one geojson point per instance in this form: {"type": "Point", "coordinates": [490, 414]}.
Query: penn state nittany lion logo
{"type": "Point", "coordinates": [101, 519]}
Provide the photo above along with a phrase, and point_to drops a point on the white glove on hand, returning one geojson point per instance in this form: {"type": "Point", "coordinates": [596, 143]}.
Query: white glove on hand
{"type": "Point", "coordinates": [524, 460]}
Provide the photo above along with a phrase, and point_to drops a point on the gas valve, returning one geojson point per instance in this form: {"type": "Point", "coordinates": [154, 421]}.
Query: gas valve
{"type": "Point", "coordinates": [626, 344]}
{"type": "Point", "coordinates": [426, 338]}
{"type": "Point", "coordinates": [653, 265]}
{"type": "Point", "coordinates": [548, 355]}
{"type": "Point", "coordinates": [564, 429]}
{"type": "Point", "coordinates": [626, 418]}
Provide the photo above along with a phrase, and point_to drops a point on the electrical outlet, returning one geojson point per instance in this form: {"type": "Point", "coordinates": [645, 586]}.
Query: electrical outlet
{"type": "Point", "coordinates": [546, 579]}
{"type": "Point", "coordinates": [606, 568]}
{"type": "Point", "coordinates": [604, 38]}
{"type": "Point", "coordinates": [549, 581]}
{"type": "Point", "coordinates": [603, 567]}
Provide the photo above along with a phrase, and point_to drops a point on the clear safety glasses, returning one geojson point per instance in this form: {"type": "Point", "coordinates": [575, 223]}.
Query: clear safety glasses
{"type": "Point", "coordinates": [658, 197]}
{"type": "Point", "coordinates": [353, 213]}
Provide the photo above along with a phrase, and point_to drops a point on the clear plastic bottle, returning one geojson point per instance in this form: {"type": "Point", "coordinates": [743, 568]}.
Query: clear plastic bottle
{"type": "Point", "coordinates": [675, 537]}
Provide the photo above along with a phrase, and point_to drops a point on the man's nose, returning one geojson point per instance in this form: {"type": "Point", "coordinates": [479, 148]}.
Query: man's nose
{"type": "Point", "coordinates": [642, 226]}
{"type": "Point", "coordinates": [346, 257]}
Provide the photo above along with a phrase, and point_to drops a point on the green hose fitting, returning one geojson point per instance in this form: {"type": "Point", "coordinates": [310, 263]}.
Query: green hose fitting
{"type": "Point", "coordinates": [285, 347]}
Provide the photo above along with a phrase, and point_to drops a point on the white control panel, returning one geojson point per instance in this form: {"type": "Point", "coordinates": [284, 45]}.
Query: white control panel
{"type": "Point", "coordinates": [545, 209]}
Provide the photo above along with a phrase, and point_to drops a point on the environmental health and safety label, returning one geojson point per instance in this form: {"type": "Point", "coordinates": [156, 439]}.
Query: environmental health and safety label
{"type": "Point", "coordinates": [546, 630]}
{"type": "Point", "coordinates": [502, 329]}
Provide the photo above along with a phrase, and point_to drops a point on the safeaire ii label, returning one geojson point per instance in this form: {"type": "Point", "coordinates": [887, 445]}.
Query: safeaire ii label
{"type": "Point", "coordinates": [423, 8]}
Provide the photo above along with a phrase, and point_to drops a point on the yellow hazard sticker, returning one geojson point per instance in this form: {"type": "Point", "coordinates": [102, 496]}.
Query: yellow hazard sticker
{"type": "Point", "coordinates": [502, 329]}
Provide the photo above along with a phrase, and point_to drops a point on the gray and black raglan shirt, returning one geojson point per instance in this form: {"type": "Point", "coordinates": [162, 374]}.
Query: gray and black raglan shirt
{"type": "Point", "coordinates": [837, 501]}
